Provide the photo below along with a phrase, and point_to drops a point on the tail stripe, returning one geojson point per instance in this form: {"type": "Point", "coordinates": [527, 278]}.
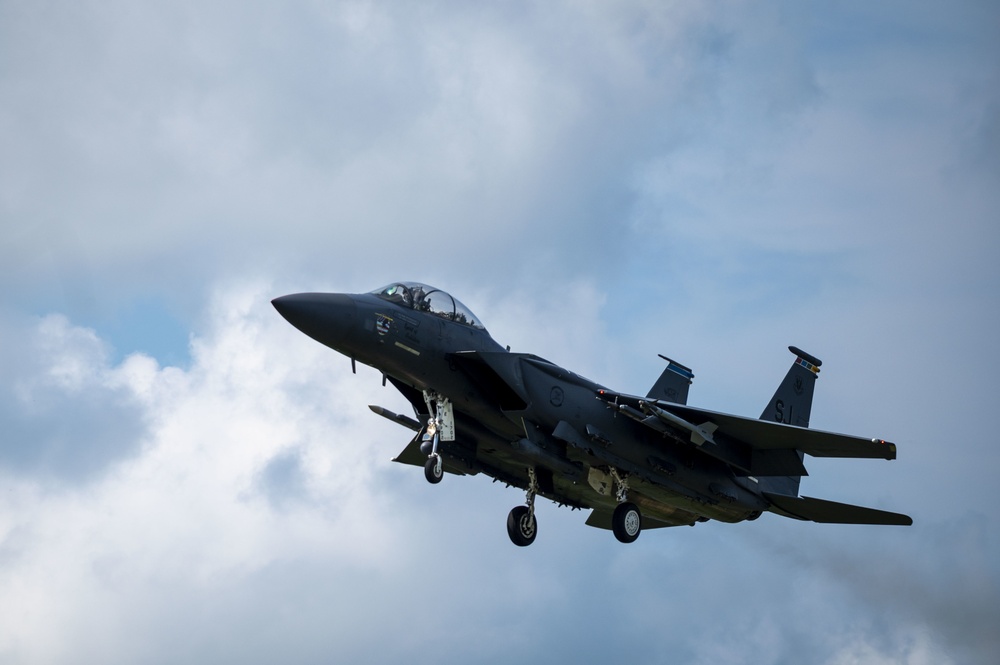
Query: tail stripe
{"type": "Point", "coordinates": [808, 365]}
{"type": "Point", "coordinates": [680, 369]}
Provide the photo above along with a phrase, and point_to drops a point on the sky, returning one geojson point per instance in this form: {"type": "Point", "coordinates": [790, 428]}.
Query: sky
{"type": "Point", "coordinates": [184, 477]}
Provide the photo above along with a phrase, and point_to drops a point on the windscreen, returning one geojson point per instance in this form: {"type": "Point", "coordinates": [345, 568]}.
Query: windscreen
{"type": "Point", "coordinates": [424, 298]}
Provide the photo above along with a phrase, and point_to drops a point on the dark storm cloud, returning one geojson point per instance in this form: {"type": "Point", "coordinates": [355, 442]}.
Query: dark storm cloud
{"type": "Point", "coordinates": [940, 577]}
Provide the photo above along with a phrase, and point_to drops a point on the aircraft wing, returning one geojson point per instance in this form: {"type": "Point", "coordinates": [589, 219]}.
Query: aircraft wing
{"type": "Point", "coordinates": [766, 435]}
{"type": "Point", "coordinates": [758, 447]}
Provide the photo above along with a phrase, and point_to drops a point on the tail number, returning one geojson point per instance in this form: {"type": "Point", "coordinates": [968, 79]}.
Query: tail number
{"type": "Point", "coordinates": [779, 412]}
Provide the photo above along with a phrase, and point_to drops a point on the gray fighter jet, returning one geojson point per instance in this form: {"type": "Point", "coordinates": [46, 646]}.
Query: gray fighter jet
{"type": "Point", "coordinates": [635, 462]}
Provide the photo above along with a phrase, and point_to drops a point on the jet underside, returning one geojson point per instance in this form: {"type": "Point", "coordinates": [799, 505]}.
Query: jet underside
{"type": "Point", "coordinates": [555, 420]}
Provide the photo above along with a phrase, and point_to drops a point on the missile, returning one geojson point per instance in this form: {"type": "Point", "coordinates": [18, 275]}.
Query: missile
{"type": "Point", "coordinates": [699, 433]}
{"type": "Point", "coordinates": [405, 421]}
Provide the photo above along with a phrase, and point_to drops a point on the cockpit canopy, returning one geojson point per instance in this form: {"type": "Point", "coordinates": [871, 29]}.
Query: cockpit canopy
{"type": "Point", "coordinates": [428, 299]}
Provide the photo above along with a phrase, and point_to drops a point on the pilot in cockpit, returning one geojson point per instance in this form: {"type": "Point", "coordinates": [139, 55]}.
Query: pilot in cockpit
{"type": "Point", "coordinates": [419, 299]}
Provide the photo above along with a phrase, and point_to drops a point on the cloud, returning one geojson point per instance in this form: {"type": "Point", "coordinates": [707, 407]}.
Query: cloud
{"type": "Point", "coordinates": [184, 476]}
{"type": "Point", "coordinates": [66, 413]}
{"type": "Point", "coordinates": [260, 516]}
{"type": "Point", "coordinates": [283, 135]}
{"type": "Point", "coordinates": [187, 511]}
{"type": "Point", "coordinates": [919, 603]}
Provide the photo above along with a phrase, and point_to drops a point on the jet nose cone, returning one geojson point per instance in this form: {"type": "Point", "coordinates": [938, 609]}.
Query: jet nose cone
{"type": "Point", "coordinates": [326, 317]}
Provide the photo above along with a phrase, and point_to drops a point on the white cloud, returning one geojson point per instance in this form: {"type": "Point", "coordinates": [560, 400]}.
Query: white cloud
{"type": "Point", "coordinates": [600, 183]}
{"type": "Point", "coordinates": [56, 387]}
{"type": "Point", "coordinates": [259, 517]}
{"type": "Point", "coordinates": [286, 135]}
{"type": "Point", "coordinates": [85, 564]}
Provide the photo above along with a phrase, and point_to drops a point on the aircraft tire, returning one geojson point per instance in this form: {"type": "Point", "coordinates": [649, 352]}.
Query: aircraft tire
{"type": "Point", "coordinates": [432, 471]}
{"type": "Point", "coordinates": [522, 527]}
{"type": "Point", "coordinates": [626, 522]}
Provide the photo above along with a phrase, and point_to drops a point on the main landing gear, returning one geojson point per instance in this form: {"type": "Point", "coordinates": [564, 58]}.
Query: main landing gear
{"type": "Point", "coordinates": [626, 521]}
{"type": "Point", "coordinates": [521, 524]}
{"type": "Point", "coordinates": [522, 527]}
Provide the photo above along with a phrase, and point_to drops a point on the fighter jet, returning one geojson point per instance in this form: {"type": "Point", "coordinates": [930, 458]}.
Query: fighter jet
{"type": "Point", "coordinates": [635, 462]}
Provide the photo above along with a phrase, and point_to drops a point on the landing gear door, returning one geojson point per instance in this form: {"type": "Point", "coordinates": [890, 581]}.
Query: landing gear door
{"type": "Point", "coordinates": [446, 420]}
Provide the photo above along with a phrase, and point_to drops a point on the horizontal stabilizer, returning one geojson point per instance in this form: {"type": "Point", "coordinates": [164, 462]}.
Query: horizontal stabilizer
{"type": "Point", "coordinates": [831, 512]}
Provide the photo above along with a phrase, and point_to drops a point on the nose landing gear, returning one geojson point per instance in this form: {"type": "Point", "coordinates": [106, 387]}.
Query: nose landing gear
{"type": "Point", "coordinates": [441, 419]}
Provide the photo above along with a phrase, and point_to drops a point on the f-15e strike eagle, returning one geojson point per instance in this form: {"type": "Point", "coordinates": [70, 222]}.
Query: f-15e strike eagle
{"type": "Point", "coordinates": [635, 462]}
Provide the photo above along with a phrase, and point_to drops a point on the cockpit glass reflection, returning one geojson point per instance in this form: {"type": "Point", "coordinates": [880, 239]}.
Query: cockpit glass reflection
{"type": "Point", "coordinates": [426, 298]}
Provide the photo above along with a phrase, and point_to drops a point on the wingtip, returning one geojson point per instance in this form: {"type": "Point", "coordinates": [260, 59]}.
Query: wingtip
{"type": "Point", "coordinates": [890, 448]}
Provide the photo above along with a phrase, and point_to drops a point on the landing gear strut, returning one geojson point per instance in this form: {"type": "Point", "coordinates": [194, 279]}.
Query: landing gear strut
{"type": "Point", "coordinates": [433, 467]}
{"type": "Point", "coordinates": [521, 524]}
{"type": "Point", "coordinates": [626, 521]}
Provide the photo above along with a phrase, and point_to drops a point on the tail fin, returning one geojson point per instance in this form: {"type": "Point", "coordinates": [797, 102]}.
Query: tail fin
{"type": "Point", "coordinates": [791, 405]}
{"type": "Point", "coordinates": [673, 383]}
{"type": "Point", "coordinates": [792, 401]}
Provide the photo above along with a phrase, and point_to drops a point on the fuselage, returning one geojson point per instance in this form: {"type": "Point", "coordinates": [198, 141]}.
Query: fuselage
{"type": "Point", "coordinates": [516, 410]}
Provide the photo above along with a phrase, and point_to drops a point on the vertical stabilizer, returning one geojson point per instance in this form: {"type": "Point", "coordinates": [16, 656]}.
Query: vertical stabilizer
{"type": "Point", "coordinates": [673, 384]}
{"type": "Point", "coordinates": [791, 405]}
{"type": "Point", "coordinates": [792, 401]}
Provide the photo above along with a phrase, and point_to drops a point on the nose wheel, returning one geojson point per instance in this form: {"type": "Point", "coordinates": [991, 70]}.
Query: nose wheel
{"type": "Point", "coordinates": [522, 527]}
{"type": "Point", "coordinates": [439, 409]}
{"type": "Point", "coordinates": [433, 469]}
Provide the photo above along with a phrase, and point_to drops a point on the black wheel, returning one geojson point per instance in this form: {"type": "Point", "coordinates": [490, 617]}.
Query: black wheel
{"type": "Point", "coordinates": [521, 526]}
{"type": "Point", "coordinates": [433, 470]}
{"type": "Point", "coordinates": [626, 522]}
